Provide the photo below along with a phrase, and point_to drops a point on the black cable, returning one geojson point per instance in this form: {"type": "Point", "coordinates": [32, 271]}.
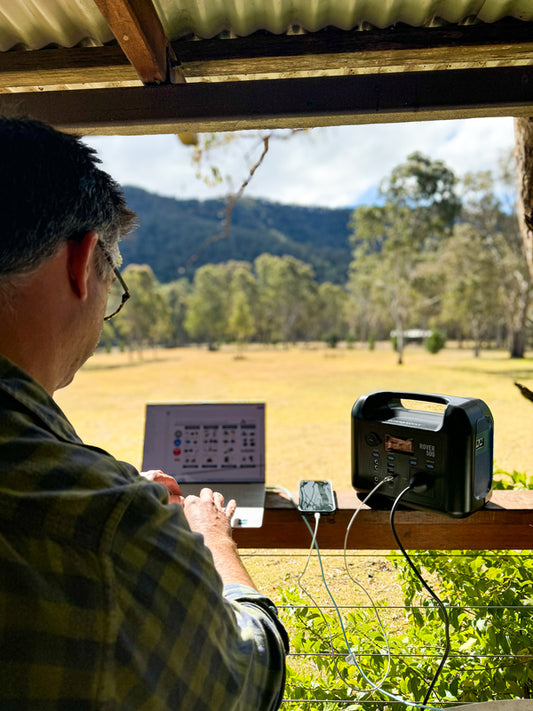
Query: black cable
{"type": "Point", "coordinates": [429, 590]}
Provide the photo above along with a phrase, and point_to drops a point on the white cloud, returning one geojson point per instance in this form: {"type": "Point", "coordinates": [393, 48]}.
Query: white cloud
{"type": "Point", "coordinates": [160, 163]}
{"type": "Point", "coordinates": [335, 166]}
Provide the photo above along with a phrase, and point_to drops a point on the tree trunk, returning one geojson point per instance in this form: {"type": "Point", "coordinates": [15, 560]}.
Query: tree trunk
{"type": "Point", "coordinates": [477, 337]}
{"type": "Point", "coordinates": [517, 320]}
{"type": "Point", "coordinates": [399, 350]}
{"type": "Point", "coordinates": [524, 177]}
{"type": "Point", "coordinates": [400, 343]}
{"type": "Point", "coordinates": [397, 316]}
{"type": "Point", "coordinates": [517, 344]}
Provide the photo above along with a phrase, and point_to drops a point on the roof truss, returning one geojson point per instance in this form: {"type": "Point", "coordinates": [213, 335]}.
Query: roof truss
{"type": "Point", "coordinates": [322, 78]}
{"type": "Point", "coordinates": [319, 101]}
{"type": "Point", "coordinates": [140, 34]}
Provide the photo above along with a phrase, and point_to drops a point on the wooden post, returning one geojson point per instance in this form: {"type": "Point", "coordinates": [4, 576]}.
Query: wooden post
{"type": "Point", "coordinates": [524, 177]}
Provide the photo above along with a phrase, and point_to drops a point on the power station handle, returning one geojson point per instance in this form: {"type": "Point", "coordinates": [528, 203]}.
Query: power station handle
{"type": "Point", "coordinates": [386, 397]}
{"type": "Point", "coordinates": [423, 397]}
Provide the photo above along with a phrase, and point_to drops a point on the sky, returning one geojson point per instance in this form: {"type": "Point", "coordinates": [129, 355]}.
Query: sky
{"type": "Point", "coordinates": [339, 166]}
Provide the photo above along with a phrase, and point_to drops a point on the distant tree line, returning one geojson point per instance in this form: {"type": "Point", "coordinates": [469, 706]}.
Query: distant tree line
{"type": "Point", "coordinates": [435, 253]}
{"type": "Point", "coordinates": [274, 299]}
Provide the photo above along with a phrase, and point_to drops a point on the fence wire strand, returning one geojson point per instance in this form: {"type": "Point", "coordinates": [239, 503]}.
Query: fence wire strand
{"type": "Point", "coordinates": [426, 652]}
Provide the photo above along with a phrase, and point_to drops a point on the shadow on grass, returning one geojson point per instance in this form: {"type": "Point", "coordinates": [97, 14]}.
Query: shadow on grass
{"type": "Point", "coordinates": [522, 373]}
{"type": "Point", "coordinates": [126, 364]}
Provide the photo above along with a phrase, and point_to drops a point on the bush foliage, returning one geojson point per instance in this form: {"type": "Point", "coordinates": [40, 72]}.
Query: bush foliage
{"type": "Point", "coordinates": [436, 341]}
{"type": "Point", "coordinates": [489, 600]}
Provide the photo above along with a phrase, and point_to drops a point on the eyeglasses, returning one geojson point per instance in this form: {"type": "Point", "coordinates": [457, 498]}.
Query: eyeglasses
{"type": "Point", "coordinates": [117, 296]}
{"type": "Point", "coordinates": [529, 221]}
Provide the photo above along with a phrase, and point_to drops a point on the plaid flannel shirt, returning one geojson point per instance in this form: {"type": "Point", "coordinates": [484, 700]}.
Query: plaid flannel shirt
{"type": "Point", "coordinates": [107, 599]}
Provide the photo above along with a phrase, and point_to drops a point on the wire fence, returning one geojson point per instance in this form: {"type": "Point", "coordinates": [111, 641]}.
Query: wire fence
{"type": "Point", "coordinates": [365, 636]}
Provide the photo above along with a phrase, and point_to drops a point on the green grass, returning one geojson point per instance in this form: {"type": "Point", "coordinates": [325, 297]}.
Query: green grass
{"type": "Point", "coordinates": [309, 392]}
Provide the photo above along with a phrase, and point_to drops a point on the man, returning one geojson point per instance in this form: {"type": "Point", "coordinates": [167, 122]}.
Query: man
{"type": "Point", "coordinates": [110, 596]}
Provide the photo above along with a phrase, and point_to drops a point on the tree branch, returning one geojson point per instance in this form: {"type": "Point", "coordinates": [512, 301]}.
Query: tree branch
{"type": "Point", "coordinates": [231, 201]}
{"type": "Point", "coordinates": [233, 198]}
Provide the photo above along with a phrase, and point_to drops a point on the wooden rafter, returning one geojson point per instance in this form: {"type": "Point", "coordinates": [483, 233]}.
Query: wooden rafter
{"type": "Point", "coordinates": [48, 69]}
{"type": "Point", "coordinates": [139, 32]}
{"type": "Point", "coordinates": [330, 52]}
{"type": "Point", "coordinates": [507, 43]}
{"type": "Point", "coordinates": [285, 103]}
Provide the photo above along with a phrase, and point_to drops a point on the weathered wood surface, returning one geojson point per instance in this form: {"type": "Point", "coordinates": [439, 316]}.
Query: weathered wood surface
{"type": "Point", "coordinates": [317, 101]}
{"type": "Point", "coordinates": [505, 523]}
{"type": "Point", "coordinates": [507, 43]}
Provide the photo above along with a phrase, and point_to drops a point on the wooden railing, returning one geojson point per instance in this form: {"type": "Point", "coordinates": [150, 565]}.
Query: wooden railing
{"type": "Point", "coordinates": [506, 522]}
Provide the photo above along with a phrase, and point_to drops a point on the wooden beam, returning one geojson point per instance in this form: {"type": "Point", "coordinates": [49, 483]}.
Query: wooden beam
{"type": "Point", "coordinates": [400, 48]}
{"type": "Point", "coordinates": [383, 98]}
{"type": "Point", "coordinates": [138, 30]}
{"type": "Point", "coordinates": [329, 52]}
{"type": "Point", "coordinates": [505, 523]}
{"type": "Point", "coordinates": [79, 66]}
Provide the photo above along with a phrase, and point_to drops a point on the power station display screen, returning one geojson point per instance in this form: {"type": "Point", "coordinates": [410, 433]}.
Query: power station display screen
{"type": "Point", "coordinates": [398, 444]}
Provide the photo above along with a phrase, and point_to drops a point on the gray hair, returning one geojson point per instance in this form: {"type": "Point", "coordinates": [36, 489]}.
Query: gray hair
{"type": "Point", "coordinates": [52, 191]}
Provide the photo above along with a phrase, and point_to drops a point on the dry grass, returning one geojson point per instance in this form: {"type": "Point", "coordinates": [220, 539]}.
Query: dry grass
{"type": "Point", "coordinates": [309, 394]}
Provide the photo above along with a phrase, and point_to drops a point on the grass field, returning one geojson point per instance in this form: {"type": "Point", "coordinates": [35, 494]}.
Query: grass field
{"type": "Point", "coordinates": [309, 393]}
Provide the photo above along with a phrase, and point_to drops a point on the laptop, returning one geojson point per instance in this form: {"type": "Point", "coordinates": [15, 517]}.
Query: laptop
{"type": "Point", "coordinates": [215, 445]}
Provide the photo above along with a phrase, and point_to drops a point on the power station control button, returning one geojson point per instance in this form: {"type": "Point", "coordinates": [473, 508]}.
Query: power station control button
{"type": "Point", "coordinates": [372, 439]}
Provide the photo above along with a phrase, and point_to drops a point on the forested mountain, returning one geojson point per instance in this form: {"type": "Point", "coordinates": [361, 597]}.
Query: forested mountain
{"type": "Point", "coordinates": [177, 236]}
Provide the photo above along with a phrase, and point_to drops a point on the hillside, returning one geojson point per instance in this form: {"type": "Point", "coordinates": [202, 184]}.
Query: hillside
{"type": "Point", "coordinates": [175, 236]}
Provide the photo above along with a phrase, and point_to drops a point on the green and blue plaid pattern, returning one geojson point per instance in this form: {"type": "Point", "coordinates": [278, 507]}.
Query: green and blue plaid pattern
{"type": "Point", "coordinates": [107, 599]}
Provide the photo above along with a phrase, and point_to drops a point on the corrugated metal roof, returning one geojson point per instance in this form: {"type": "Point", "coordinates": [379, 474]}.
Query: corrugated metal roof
{"type": "Point", "coordinates": [33, 24]}
{"type": "Point", "coordinates": [208, 18]}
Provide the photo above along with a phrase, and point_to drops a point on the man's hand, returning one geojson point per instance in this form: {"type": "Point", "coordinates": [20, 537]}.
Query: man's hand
{"type": "Point", "coordinates": [174, 491]}
{"type": "Point", "coordinates": [207, 515]}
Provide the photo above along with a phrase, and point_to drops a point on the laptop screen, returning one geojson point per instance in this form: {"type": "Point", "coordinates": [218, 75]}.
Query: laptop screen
{"type": "Point", "coordinates": [206, 442]}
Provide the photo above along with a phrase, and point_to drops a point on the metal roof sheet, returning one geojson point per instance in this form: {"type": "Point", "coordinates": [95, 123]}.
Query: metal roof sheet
{"type": "Point", "coordinates": [207, 18]}
{"type": "Point", "coordinates": [33, 24]}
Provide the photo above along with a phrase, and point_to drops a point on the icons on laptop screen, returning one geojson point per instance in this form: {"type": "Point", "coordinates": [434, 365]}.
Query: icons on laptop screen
{"type": "Point", "coordinates": [200, 447]}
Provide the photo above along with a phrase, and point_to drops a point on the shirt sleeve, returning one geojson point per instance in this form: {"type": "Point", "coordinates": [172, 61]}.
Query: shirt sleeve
{"type": "Point", "coordinates": [182, 640]}
{"type": "Point", "coordinates": [258, 616]}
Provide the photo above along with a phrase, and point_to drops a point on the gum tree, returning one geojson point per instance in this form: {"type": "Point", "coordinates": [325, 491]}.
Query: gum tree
{"type": "Point", "coordinates": [418, 205]}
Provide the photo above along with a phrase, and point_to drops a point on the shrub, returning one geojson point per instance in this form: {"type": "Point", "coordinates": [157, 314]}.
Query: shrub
{"type": "Point", "coordinates": [435, 342]}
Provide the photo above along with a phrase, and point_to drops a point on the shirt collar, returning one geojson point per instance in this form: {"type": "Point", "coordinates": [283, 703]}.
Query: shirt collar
{"type": "Point", "coordinates": [23, 388]}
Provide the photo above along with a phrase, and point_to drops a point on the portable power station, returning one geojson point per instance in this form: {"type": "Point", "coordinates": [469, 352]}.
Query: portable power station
{"type": "Point", "coordinates": [445, 455]}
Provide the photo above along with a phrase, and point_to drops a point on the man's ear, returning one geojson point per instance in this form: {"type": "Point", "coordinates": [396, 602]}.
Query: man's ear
{"type": "Point", "coordinates": [80, 262]}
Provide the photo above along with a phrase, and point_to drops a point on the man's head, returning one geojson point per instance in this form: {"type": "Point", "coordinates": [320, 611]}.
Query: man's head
{"type": "Point", "coordinates": [60, 221]}
{"type": "Point", "coordinates": [51, 191]}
